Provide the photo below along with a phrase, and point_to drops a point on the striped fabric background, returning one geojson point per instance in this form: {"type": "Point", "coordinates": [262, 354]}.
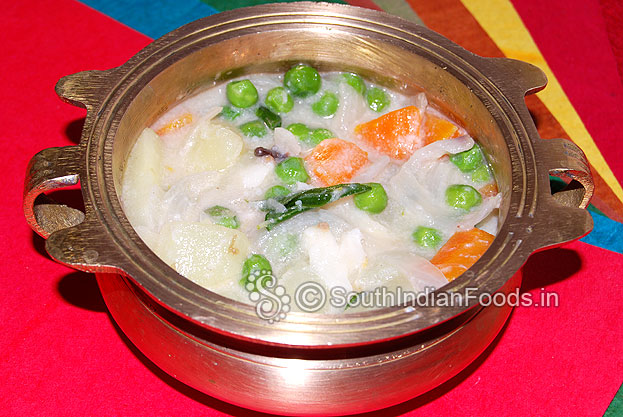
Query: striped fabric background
{"type": "Point", "coordinates": [62, 355]}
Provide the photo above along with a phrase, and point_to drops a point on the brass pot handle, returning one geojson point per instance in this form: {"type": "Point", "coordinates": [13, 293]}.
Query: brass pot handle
{"type": "Point", "coordinates": [75, 239]}
{"type": "Point", "coordinates": [526, 78]}
{"type": "Point", "coordinates": [566, 159]}
{"type": "Point", "coordinates": [562, 217]}
{"type": "Point", "coordinates": [56, 168]}
{"type": "Point", "coordinates": [86, 89]}
{"type": "Point", "coordinates": [48, 170]}
{"type": "Point", "coordinates": [561, 156]}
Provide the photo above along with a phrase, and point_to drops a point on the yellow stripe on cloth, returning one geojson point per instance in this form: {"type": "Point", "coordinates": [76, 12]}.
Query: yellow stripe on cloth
{"type": "Point", "coordinates": [502, 23]}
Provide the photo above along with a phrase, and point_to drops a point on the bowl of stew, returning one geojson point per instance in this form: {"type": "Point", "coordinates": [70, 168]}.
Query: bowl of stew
{"type": "Point", "coordinates": [252, 179]}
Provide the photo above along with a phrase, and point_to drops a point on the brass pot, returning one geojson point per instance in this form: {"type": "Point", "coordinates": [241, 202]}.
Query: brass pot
{"type": "Point", "coordinates": [307, 364]}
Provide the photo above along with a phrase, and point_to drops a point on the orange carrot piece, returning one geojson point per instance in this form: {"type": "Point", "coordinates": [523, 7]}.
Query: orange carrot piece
{"type": "Point", "coordinates": [461, 251]}
{"type": "Point", "coordinates": [436, 128]}
{"type": "Point", "coordinates": [396, 134]}
{"type": "Point", "coordinates": [336, 161]}
{"type": "Point", "coordinates": [489, 190]}
{"type": "Point", "coordinates": [176, 123]}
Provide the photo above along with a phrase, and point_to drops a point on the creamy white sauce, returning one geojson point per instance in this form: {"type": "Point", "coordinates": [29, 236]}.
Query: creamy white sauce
{"type": "Point", "coordinates": [171, 180]}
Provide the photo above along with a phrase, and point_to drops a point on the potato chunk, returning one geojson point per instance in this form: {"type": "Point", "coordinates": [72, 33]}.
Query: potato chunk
{"type": "Point", "coordinates": [208, 254]}
{"type": "Point", "coordinates": [211, 147]}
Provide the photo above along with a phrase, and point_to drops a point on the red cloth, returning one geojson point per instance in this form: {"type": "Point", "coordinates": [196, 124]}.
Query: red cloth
{"type": "Point", "coordinates": [612, 11]}
{"type": "Point", "coordinates": [61, 355]}
{"type": "Point", "coordinates": [573, 38]}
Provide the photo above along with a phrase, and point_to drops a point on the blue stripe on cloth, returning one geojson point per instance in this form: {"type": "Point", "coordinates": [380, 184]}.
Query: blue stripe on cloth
{"type": "Point", "coordinates": [607, 233]}
{"type": "Point", "coordinates": [153, 18]}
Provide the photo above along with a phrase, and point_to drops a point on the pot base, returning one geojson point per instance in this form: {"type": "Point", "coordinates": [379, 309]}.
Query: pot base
{"type": "Point", "coordinates": [297, 380]}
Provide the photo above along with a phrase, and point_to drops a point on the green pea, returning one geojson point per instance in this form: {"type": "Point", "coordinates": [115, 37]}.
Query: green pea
{"type": "Point", "coordinates": [254, 128]}
{"type": "Point", "coordinates": [291, 170]}
{"type": "Point", "coordinates": [276, 192]}
{"type": "Point", "coordinates": [320, 134]}
{"type": "Point", "coordinates": [241, 93]}
{"type": "Point", "coordinates": [279, 100]}
{"type": "Point", "coordinates": [469, 160]}
{"type": "Point", "coordinates": [326, 106]}
{"type": "Point", "coordinates": [223, 216]}
{"type": "Point", "coordinates": [299, 130]}
{"type": "Point", "coordinates": [229, 113]}
{"type": "Point", "coordinates": [462, 196]}
{"type": "Point", "coordinates": [258, 266]}
{"type": "Point", "coordinates": [481, 174]}
{"type": "Point", "coordinates": [377, 99]}
{"type": "Point", "coordinates": [355, 81]}
{"type": "Point", "coordinates": [311, 137]}
{"type": "Point", "coordinates": [426, 237]}
{"type": "Point", "coordinates": [302, 80]}
{"type": "Point", "coordinates": [271, 119]}
{"type": "Point", "coordinates": [373, 201]}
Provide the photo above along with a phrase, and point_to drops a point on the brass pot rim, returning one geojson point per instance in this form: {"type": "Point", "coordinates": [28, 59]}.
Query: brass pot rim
{"type": "Point", "coordinates": [105, 241]}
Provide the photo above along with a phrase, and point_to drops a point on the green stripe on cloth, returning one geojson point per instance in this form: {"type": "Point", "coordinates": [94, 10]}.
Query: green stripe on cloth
{"type": "Point", "coordinates": [595, 210]}
{"type": "Point", "coordinates": [399, 8]}
{"type": "Point", "coordinates": [616, 406]}
{"type": "Point", "coordinates": [222, 5]}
